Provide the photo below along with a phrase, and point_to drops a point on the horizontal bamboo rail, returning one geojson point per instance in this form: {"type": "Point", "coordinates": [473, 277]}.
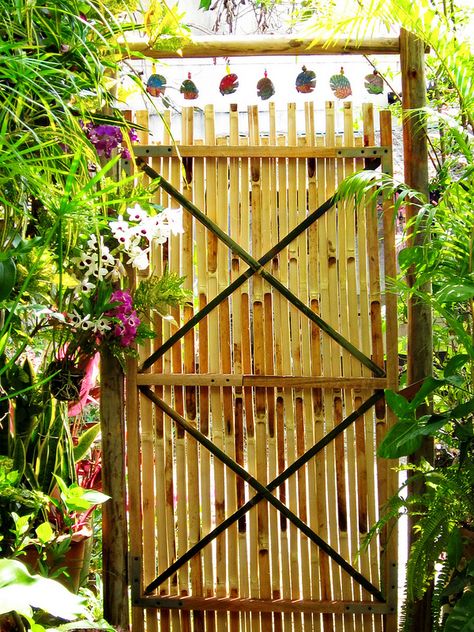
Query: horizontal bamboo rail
{"type": "Point", "coordinates": [265, 46]}
{"type": "Point", "coordinates": [260, 151]}
{"type": "Point", "coordinates": [267, 381]}
{"type": "Point", "coordinates": [261, 605]}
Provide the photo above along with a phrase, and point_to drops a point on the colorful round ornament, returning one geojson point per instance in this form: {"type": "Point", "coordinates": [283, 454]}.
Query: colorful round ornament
{"type": "Point", "coordinates": [265, 87]}
{"type": "Point", "coordinates": [340, 85]}
{"type": "Point", "coordinates": [229, 83]}
{"type": "Point", "coordinates": [156, 85]}
{"type": "Point", "coordinates": [306, 81]}
{"type": "Point", "coordinates": [188, 88]}
{"type": "Point", "coordinates": [373, 83]}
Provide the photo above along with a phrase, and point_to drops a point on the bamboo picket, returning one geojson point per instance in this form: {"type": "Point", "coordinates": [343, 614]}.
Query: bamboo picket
{"type": "Point", "coordinates": [264, 384]}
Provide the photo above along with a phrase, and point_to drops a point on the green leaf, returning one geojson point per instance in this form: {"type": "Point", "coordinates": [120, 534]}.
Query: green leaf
{"type": "Point", "coordinates": [7, 278]}
{"type": "Point", "coordinates": [95, 497]}
{"type": "Point", "coordinates": [400, 406]}
{"type": "Point", "coordinates": [462, 410]}
{"type": "Point", "coordinates": [399, 441]}
{"type": "Point", "coordinates": [410, 256]}
{"type": "Point", "coordinates": [44, 532]}
{"type": "Point", "coordinates": [454, 548]}
{"type": "Point", "coordinates": [20, 592]}
{"type": "Point", "coordinates": [461, 618]}
{"type": "Point", "coordinates": [205, 4]}
{"type": "Point", "coordinates": [85, 442]}
{"type": "Point", "coordinates": [455, 293]}
{"type": "Point", "coordinates": [455, 363]}
{"type": "Point", "coordinates": [428, 386]}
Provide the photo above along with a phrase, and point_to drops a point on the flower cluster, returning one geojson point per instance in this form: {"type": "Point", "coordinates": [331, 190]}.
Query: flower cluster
{"type": "Point", "coordinates": [136, 234]}
{"type": "Point", "coordinates": [126, 318]}
{"type": "Point", "coordinates": [106, 138]}
{"type": "Point", "coordinates": [101, 313]}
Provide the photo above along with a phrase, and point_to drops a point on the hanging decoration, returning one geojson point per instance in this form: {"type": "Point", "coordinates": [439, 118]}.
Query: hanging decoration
{"type": "Point", "coordinates": [156, 84]}
{"type": "Point", "coordinates": [340, 85]}
{"type": "Point", "coordinates": [373, 83]}
{"type": "Point", "coordinates": [188, 88]}
{"type": "Point", "coordinates": [306, 81]}
{"type": "Point", "coordinates": [265, 87]}
{"type": "Point", "coordinates": [229, 82]}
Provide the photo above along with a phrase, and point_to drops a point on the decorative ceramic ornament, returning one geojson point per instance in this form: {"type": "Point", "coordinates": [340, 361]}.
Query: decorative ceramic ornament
{"type": "Point", "coordinates": [265, 87]}
{"type": "Point", "coordinates": [188, 88]}
{"type": "Point", "coordinates": [229, 83]}
{"type": "Point", "coordinates": [156, 85]}
{"type": "Point", "coordinates": [306, 81]}
{"type": "Point", "coordinates": [340, 85]}
{"type": "Point", "coordinates": [373, 83]}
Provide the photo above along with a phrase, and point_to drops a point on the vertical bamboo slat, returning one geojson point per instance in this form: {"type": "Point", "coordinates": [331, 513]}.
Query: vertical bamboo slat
{"type": "Point", "coordinates": [332, 354]}
{"type": "Point", "coordinates": [390, 545]}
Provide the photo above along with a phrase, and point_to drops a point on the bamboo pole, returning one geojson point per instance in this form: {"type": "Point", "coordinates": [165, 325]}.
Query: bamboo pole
{"type": "Point", "coordinates": [147, 440]}
{"type": "Point", "coordinates": [293, 358]}
{"type": "Point", "coordinates": [269, 236]}
{"type": "Point", "coordinates": [419, 331]}
{"type": "Point", "coordinates": [157, 265]}
{"type": "Point", "coordinates": [189, 366]}
{"type": "Point", "coordinates": [390, 546]}
{"type": "Point", "coordinates": [204, 396]}
{"type": "Point", "coordinates": [332, 361]}
{"type": "Point", "coordinates": [365, 428]}
{"type": "Point", "coordinates": [283, 364]}
{"type": "Point", "coordinates": [270, 45]}
{"type": "Point", "coordinates": [313, 400]}
{"type": "Point", "coordinates": [217, 471]}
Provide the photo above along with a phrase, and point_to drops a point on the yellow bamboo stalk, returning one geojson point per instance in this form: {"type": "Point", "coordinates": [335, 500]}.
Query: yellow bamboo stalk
{"type": "Point", "coordinates": [391, 544]}
{"type": "Point", "coordinates": [332, 354]}
{"type": "Point", "coordinates": [238, 406]}
{"type": "Point", "coordinates": [204, 418]}
{"type": "Point", "coordinates": [374, 479]}
{"type": "Point", "coordinates": [323, 400]}
{"type": "Point", "coordinates": [269, 237]}
{"type": "Point", "coordinates": [156, 263]}
{"type": "Point", "coordinates": [189, 366]}
{"type": "Point", "coordinates": [227, 397]}
{"type": "Point", "coordinates": [295, 351]}
{"type": "Point", "coordinates": [313, 402]}
{"type": "Point", "coordinates": [259, 363]}
{"type": "Point", "coordinates": [212, 203]}
{"type": "Point", "coordinates": [147, 448]}
{"type": "Point", "coordinates": [303, 398]}
{"type": "Point", "coordinates": [282, 364]}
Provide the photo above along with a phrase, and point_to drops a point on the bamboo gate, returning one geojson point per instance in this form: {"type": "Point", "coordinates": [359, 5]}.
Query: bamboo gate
{"type": "Point", "coordinates": [253, 419]}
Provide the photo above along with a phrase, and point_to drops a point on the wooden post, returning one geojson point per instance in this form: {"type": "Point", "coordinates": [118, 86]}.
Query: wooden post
{"type": "Point", "coordinates": [114, 518]}
{"type": "Point", "coordinates": [420, 347]}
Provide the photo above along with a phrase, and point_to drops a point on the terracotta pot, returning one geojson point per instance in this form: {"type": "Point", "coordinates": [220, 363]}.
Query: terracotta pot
{"type": "Point", "coordinates": [74, 565]}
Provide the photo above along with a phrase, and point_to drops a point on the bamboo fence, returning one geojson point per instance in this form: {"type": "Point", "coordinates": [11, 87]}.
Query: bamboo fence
{"type": "Point", "coordinates": [229, 410]}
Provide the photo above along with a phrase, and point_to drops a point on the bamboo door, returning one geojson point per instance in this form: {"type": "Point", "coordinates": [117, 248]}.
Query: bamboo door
{"type": "Point", "coordinates": [253, 421]}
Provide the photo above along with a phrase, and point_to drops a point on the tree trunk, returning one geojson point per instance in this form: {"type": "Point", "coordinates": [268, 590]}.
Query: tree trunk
{"type": "Point", "coordinates": [114, 517]}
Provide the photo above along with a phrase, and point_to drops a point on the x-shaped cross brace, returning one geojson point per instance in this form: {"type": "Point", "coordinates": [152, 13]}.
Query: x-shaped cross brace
{"type": "Point", "coordinates": [254, 266]}
{"type": "Point", "coordinates": [263, 491]}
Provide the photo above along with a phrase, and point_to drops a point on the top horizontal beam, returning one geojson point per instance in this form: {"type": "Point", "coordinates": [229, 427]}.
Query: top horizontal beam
{"type": "Point", "coordinates": [266, 46]}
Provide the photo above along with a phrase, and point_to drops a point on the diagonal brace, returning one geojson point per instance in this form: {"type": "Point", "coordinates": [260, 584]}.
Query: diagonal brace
{"type": "Point", "coordinates": [257, 267]}
{"type": "Point", "coordinates": [264, 491]}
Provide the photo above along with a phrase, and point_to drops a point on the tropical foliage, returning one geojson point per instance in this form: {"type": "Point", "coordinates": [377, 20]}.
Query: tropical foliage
{"type": "Point", "coordinates": [74, 229]}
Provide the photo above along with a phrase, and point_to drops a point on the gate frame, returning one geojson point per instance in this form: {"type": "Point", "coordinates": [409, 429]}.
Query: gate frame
{"type": "Point", "coordinates": [411, 51]}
